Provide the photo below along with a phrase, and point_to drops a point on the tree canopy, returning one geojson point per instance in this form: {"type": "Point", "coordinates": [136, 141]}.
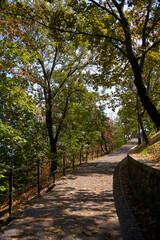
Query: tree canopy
{"type": "Point", "coordinates": [46, 75]}
{"type": "Point", "coordinates": [52, 51]}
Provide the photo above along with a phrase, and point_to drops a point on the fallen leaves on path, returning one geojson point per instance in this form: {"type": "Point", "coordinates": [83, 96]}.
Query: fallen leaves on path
{"type": "Point", "coordinates": [87, 233]}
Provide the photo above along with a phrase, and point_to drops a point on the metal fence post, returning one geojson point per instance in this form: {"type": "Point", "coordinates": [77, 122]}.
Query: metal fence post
{"type": "Point", "coordinates": [10, 190]}
{"type": "Point", "coordinates": [80, 158]}
{"type": "Point", "coordinates": [38, 182]}
{"type": "Point", "coordinates": [86, 156]}
{"type": "Point", "coordinates": [54, 178]}
{"type": "Point", "coordinates": [53, 172]}
{"type": "Point", "coordinates": [92, 154]}
{"type": "Point", "coordinates": [97, 153]}
{"type": "Point", "coordinates": [73, 161]}
{"type": "Point", "coordinates": [64, 166]}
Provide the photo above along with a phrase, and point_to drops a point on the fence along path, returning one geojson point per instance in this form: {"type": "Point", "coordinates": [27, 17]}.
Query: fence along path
{"type": "Point", "coordinates": [86, 204]}
{"type": "Point", "coordinates": [22, 179]}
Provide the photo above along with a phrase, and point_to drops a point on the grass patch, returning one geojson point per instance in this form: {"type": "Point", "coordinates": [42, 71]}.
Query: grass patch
{"type": "Point", "coordinates": [150, 151]}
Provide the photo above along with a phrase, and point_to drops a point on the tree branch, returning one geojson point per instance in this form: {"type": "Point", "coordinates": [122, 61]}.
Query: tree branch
{"type": "Point", "coordinates": [156, 20]}
{"type": "Point", "coordinates": [43, 68]}
{"type": "Point", "coordinates": [120, 49]}
{"type": "Point", "coordinates": [122, 3]}
{"type": "Point", "coordinates": [107, 10]}
{"type": "Point", "coordinates": [144, 54]}
{"type": "Point", "coordinates": [120, 74]}
{"type": "Point", "coordinates": [154, 44]}
{"type": "Point", "coordinates": [62, 120]}
{"type": "Point", "coordinates": [54, 63]}
{"type": "Point", "coordinates": [66, 31]}
{"type": "Point", "coordinates": [144, 36]}
{"type": "Point", "coordinates": [80, 32]}
{"type": "Point", "coordinates": [71, 72]}
{"type": "Point", "coordinates": [61, 85]}
{"type": "Point", "coordinates": [64, 114]}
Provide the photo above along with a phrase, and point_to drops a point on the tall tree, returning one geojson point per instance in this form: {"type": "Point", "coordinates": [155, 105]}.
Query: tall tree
{"type": "Point", "coordinates": [56, 62]}
{"type": "Point", "coordinates": [115, 28]}
{"type": "Point", "coordinates": [137, 30]}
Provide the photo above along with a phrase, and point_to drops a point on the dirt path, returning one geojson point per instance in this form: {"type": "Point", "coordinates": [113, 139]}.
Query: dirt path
{"type": "Point", "coordinates": [86, 204]}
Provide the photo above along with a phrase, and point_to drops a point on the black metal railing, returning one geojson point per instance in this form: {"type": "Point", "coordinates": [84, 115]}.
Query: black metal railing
{"type": "Point", "coordinates": [40, 174]}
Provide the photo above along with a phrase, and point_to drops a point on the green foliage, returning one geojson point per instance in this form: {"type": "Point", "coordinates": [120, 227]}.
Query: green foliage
{"type": "Point", "coordinates": [19, 135]}
{"type": "Point", "coordinates": [83, 124]}
{"type": "Point", "coordinates": [43, 45]}
{"type": "Point", "coordinates": [4, 183]}
{"type": "Point", "coordinates": [56, 62]}
{"type": "Point", "coordinates": [127, 120]}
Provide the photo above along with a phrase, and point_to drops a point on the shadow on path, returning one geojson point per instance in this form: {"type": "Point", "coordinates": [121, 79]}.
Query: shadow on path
{"type": "Point", "coordinates": [86, 204]}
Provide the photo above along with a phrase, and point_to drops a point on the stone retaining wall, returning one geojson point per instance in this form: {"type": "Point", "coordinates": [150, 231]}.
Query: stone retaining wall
{"type": "Point", "coordinates": [145, 177]}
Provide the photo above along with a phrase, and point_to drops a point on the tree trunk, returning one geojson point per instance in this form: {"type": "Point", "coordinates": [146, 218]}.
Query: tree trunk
{"type": "Point", "coordinates": [140, 122]}
{"type": "Point", "coordinates": [105, 142]}
{"type": "Point", "coordinates": [137, 71]}
{"type": "Point", "coordinates": [142, 128]}
{"type": "Point", "coordinates": [102, 147]}
{"type": "Point", "coordinates": [146, 101]}
{"type": "Point", "coordinates": [54, 151]}
{"type": "Point", "coordinates": [53, 143]}
{"type": "Point", "coordinates": [49, 123]}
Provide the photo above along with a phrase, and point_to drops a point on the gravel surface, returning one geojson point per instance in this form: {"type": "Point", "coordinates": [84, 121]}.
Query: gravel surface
{"type": "Point", "coordinates": [86, 204]}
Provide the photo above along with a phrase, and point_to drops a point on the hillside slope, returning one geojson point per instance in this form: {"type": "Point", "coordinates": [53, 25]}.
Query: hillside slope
{"type": "Point", "coordinates": [150, 151]}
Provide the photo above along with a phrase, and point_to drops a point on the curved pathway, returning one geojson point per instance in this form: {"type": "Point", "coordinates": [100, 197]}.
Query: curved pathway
{"type": "Point", "coordinates": [86, 204]}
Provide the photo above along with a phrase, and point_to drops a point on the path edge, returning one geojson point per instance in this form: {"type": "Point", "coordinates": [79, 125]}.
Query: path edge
{"type": "Point", "coordinates": [139, 233]}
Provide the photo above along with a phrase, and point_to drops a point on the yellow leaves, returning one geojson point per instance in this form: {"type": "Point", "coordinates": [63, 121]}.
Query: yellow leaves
{"type": "Point", "coordinates": [2, 22]}
{"type": "Point", "coordinates": [58, 230]}
{"type": "Point", "coordinates": [90, 233]}
{"type": "Point", "coordinates": [50, 229]}
{"type": "Point", "coordinates": [87, 233]}
{"type": "Point", "coordinates": [96, 230]}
